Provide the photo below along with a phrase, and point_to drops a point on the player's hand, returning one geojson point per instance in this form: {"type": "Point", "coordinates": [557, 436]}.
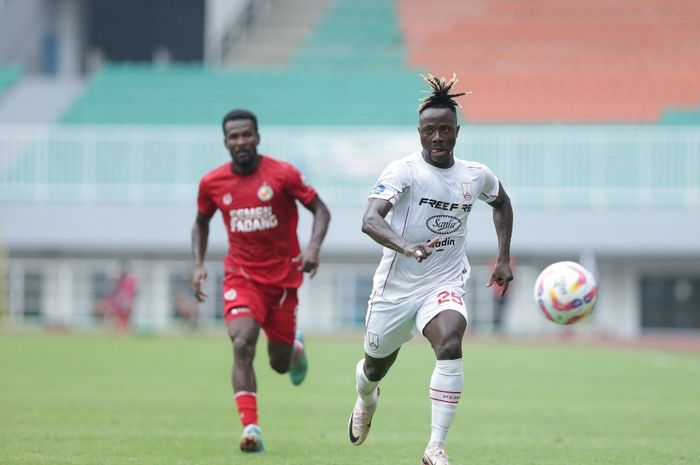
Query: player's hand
{"type": "Point", "coordinates": [421, 251]}
{"type": "Point", "coordinates": [501, 275]}
{"type": "Point", "coordinates": [198, 277]}
{"type": "Point", "coordinates": [307, 262]}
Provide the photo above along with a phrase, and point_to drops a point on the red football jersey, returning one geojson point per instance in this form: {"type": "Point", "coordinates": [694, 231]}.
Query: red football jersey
{"type": "Point", "coordinates": [260, 214]}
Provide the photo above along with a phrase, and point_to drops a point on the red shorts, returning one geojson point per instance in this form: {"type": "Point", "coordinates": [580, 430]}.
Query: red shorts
{"type": "Point", "coordinates": [273, 307]}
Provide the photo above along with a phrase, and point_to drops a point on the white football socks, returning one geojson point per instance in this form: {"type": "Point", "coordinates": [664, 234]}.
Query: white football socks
{"type": "Point", "coordinates": [365, 387]}
{"type": "Point", "coordinates": [445, 392]}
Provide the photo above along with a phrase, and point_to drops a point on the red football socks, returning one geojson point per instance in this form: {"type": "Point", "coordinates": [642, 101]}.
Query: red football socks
{"type": "Point", "coordinates": [247, 407]}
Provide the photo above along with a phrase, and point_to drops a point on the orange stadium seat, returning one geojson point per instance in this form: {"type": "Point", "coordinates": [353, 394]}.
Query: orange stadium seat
{"type": "Point", "coordinates": [561, 61]}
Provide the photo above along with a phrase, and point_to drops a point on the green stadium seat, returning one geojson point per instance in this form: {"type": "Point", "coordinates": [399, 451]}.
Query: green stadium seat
{"type": "Point", "coordinates": [351, 71]}
{"type": "Point", "coordinates": [8, 76]}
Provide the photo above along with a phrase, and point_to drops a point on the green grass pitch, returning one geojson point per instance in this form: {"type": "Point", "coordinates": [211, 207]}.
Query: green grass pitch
{"type": "Point", "coordinates": [104, 399]}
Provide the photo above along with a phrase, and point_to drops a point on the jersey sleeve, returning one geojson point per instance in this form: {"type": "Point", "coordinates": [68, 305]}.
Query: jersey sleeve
{"type": "Point", "coordinates": [298, 188]}
{"type": "Point", "coordinates": [205, 204]}
{"type": "Point", "coordinates": [489, 186]}
{"type": "Point", "coordinates": [392, 183]}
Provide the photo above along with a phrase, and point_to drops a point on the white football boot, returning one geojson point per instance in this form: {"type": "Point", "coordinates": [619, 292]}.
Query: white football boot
{"type": "Point", "coordinates": [435, 454]}
{"type": "Point", "coordinates": [361, 420]}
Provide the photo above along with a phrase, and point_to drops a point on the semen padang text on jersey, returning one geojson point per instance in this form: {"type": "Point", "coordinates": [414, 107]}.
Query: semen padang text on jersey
{"type": "Point", "coordinates": [252, 219]}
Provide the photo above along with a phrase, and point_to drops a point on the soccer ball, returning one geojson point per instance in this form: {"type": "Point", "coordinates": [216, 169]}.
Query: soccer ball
{"type": "Point", "coordinates": [566, 292]}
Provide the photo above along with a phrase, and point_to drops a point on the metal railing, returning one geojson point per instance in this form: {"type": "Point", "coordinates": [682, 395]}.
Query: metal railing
{"type": "Point", "coordinates": [541, 166]}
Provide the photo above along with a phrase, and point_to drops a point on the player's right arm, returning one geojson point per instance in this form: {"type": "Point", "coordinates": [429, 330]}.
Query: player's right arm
{"type": "Point", "coordinates": [375, 226]}
{"type": "Point", "coordinates": [200, 239]}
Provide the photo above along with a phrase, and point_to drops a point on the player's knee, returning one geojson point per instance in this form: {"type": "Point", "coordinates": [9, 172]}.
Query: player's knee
{"type": "Point", "coordinates": [243, 348]}
{"type": "Point", "coordinates": [280, 364]}
{"type": "Point", "coordinates": [374, 373]}
{"type": "Point", "coordinates": [449, 348]}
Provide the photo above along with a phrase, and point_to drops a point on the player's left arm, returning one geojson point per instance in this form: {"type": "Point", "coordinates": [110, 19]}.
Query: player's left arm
{"type": "Point", "coordinates": [503, 221]}
{"type": "Point", "coordinates": [309, 258]}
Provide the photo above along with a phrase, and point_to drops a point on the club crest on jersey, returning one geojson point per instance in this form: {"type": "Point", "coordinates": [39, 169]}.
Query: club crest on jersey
{"type": "Point", "coordinates": [227, 199]}
{"type": "Point", "coordinates": [231, 294]}
{"type": "Point", "coordinates": [466, 191]}
{"type": "Point", "coordinates": [265, 192]}
{"type": "Point", "coordinates": [373, 340]}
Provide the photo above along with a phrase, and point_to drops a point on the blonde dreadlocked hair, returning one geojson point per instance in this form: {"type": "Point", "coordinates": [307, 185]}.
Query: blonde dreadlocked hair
{"type": "Point", "coordinates": [440, 96]}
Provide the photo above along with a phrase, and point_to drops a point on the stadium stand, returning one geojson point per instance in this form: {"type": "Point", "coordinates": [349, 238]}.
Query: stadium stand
{"type": "Point", "coordinates": [181, 94]}
{"type": "Point", "coordinates": [562, 61]}
{"type": "Point", "coordinates": [355, 51]}
{"type": "Point", "coordinates": [602, 62]}
{"type": "Point", "coordinates": [354, 69]}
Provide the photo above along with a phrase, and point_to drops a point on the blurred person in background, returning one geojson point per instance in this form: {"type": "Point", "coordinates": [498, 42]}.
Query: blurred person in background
{"type": "Point", "coordinates": [185, 306]}
{"type": "Point", "coordinates": [264, 267]}
{"type": "Point", "coordinates": [500, 298]}
{"type": "Point", "coordinates": [418, 211]}
{"type": "Point", "coordinates": [116, 308]}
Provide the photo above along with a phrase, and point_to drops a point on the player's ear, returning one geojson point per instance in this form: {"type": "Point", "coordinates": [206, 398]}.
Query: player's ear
{"type": "Point", "coordinates": [457, 132]}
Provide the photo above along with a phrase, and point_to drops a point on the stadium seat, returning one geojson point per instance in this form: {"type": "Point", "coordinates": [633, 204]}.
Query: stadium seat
{"type": "Point", "coordinates": [8, 75]}
{"type": "Point", "coordinates": [561, 61]}
{"type": "Point", "coordinates": [350, 71]}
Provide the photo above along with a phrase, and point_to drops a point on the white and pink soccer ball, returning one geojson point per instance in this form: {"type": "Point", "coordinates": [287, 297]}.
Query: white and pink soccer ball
{"type": "Point", "coordinates": [566, 292]}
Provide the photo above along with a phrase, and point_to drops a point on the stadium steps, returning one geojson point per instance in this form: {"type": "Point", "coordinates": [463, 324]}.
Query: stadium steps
{"type": "Point", "coordinates": [38, 100]}
{"type": "Point", "coordinates": [360, 36]}
{"type": "Point", "coordinates": [275, 35]}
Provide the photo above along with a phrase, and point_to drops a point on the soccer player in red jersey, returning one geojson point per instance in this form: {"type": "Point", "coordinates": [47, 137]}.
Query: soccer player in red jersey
{"type": "Point", "coordinates": [257, 196]}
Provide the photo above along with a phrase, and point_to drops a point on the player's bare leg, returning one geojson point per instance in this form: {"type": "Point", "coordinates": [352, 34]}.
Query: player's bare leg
{"type": "Point", "coordinates": [289, 358]}
{"type": "Point", "coordinates": [368, 372]}
{"type": "Point", "coordinates": [280, 356]}
{"type": "Point", "coordinates": [299, 364]}
{"type": "Point", "coordinates": [445, 333]}
{"type": "Point", "coordinates": [244, 332]}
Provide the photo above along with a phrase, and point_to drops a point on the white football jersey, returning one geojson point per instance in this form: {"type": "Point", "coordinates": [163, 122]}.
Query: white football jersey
{"type": "Point", "coordinates": [429, 202]}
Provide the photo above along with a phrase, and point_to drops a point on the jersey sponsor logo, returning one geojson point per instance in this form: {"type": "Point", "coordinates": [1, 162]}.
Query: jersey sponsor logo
{"type": "Point", "coordinates": [447, 206]}
{"type": "Point", "coordinates": [239, 311]}
{"type": "Point", "coordinates": [227, 199]}
{"type": "Point", "coordinates": [378, 189]}
{"type": "Point", "coordinates": [252, 219]}
{"type": "Point", "coordinates": [443, 224]}
{"type": "Point", "coordinates": [439, 246]}
{"type": "Point", "coordinates": [265, 192]}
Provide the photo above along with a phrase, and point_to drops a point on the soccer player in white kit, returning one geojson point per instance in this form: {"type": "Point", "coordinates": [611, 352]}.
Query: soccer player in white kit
{"type": "Point", "coordinates": [418, 211]}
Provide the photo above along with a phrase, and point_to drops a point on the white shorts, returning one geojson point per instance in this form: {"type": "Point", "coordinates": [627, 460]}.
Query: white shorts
{"type": "Point", "coordinates": [388, 325]}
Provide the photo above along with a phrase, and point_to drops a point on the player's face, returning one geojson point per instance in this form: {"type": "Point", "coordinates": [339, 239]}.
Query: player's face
{"type": "Point", "coordinates": [438, 131]}
{"type": "Point", "coordinates": [241, 139]}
